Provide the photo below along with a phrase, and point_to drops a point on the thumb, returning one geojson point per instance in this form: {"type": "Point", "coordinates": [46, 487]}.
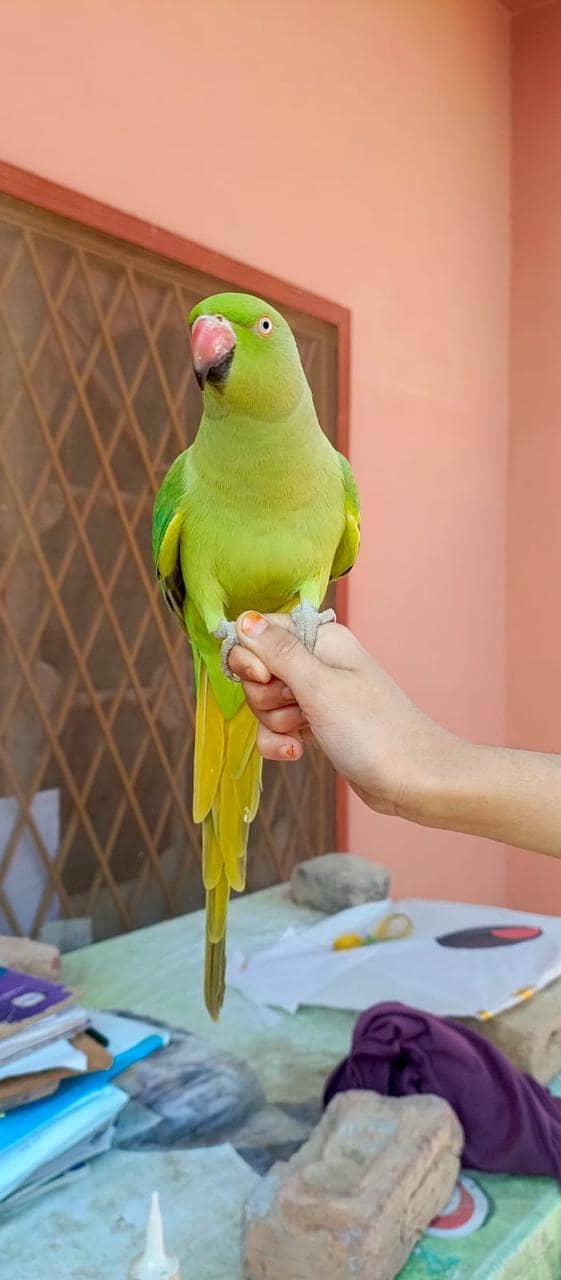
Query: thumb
{"type": "Point", "coordinates": [280, 650]}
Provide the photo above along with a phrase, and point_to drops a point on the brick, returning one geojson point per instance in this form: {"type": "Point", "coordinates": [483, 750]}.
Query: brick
{"type": "Point", "coordinates": [356, 1198]}
{"type": "Point", "coordinates": [530, 1034]}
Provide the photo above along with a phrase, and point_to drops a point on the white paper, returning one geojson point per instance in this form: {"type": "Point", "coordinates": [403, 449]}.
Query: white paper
{"type": "Point", "coordinates": [303, 968]}
{"type": "Point", "coordinates": [122, 1033]}
{"type": "Point", "coordinates": [61, 1054]}
{"type": "Point", "coordinates": [55, 1025]}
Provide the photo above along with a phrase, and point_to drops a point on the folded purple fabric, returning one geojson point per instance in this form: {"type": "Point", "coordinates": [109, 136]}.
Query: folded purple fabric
{"type": "Point", "coordinates": [511, 1123]}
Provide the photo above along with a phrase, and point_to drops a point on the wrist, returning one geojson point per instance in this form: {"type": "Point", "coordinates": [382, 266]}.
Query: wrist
{"type": "Point", "coordinates": [510, 796]}
{"type": "Point", "coordinates": [444, 782]}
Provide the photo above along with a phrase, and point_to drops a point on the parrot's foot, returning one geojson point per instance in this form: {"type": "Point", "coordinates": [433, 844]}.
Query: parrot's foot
{"type": "Point", "coordinates": [307, 622]}
{"type": "Point", "coordinates": [227, 633]}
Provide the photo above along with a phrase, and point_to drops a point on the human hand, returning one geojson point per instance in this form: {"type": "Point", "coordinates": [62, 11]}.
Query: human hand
{"type": "Point", "coordinates": [339, 696]}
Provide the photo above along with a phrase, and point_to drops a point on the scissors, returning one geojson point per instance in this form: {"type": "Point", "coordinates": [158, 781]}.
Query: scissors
{"type": "Point", "coordinates": [392, 927]}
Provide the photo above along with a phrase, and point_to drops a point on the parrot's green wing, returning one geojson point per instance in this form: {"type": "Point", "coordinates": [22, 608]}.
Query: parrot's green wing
{"type": "Point", "coordinates": [347, 550]}
{"type": "Point", "coordinates": [167, 522]}
{"type": "Point", "coordinates": [168, 531]}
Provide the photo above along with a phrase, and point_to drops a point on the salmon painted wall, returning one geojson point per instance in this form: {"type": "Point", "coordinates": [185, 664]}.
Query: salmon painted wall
{"type": "Point", "coordinates": [361, 149]}
{"type": "Point", "coordinates": [534, 625]}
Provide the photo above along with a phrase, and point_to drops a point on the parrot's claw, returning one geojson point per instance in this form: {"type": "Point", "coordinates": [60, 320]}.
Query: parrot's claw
{"type": "Point", "coordinates": [307, 621]}
{"type": "Point", "coordinates": [227, 633]}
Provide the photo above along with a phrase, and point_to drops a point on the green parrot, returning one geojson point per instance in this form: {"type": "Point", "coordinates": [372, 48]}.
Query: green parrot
{"type": "Point", "coordinates": [262, 513]}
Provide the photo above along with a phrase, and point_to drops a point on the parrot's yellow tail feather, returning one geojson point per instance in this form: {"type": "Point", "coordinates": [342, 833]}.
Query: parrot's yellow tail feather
{"type": "Point", "coordinates": [230, 828]}
{"type": "Point", "coordinates": [241, 741]}
{"type": "Point", "coordinates": [212, 857]}
{"type": "Point", "coordinates": [215, 976]}
{"type": "Point", "coordinates": [227, 787]}
{"type": "Point", "coordinates": [209, 748]}
{"type": "Point", "coordinates": [217, 910]}
{"type": "Point", "coordinates": [248, 787]}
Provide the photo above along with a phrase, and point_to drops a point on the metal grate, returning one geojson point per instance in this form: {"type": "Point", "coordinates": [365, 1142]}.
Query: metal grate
{"type": "Point", "coordinates": [96, 716]}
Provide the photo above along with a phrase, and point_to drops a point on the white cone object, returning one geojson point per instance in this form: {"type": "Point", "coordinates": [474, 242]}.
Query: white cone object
{"type": "Point", "coordinates": [154, 1263]}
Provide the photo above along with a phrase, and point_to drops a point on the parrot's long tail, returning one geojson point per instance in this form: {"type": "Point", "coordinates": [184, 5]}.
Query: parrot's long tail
{"type": "Point", "coordinates": [226, 791]}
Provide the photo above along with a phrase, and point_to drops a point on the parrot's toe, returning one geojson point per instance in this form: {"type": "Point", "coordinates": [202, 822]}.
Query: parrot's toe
{"type": "Point", "coordinates": [227, 633]}
{"type": "Point", "coordinates": [307, 621]}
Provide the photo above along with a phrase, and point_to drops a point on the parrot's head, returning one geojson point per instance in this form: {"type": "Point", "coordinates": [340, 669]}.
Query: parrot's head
{"type": "Point", "coordinates": [245, 357]}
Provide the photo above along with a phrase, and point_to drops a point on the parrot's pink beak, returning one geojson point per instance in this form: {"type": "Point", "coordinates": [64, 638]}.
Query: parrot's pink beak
{"type": "Point", "coordinates": [212, 344]}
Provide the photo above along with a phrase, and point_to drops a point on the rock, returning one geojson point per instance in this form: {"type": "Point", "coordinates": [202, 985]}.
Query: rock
{"type": "Point", "coordinates": [529, 1035]}
{"type": "Point", "coordinates": [354, 1201]}
{"type": "Point", "coordinates": [335, 881]}
{"type": "Point", "coordinates": [27, 956]}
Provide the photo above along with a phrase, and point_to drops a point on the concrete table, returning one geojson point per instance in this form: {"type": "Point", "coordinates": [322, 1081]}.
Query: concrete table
{"type": "Point", "coordinates": [93, 1225]}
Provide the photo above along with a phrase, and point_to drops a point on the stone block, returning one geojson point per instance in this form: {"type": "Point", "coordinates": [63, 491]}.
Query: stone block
{"type": "Point", "coordinates": [530, 1034]}
{"type": "Point", "coordinates": [356, 1198]}
{"type": "Point", "coordinates": [335, 881]}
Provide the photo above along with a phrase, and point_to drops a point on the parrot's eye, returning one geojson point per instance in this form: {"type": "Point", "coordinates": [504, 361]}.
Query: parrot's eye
{"type": "Point", "coordinates": [264, 326]}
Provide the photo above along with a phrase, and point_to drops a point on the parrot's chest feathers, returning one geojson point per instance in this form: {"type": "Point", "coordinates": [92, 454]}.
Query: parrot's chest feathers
{"type": "Point", "coordinates": [262, 553]}
{"type": "Point", "coordinates": [265, 525]}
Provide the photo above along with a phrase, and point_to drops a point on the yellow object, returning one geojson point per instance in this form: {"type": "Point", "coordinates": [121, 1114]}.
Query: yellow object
{"type": "Point", "coordinates": [227, 787]}
{"type": "Point", "coordinates": [389, 929]}
{"type": "Point", "coordinates": [347, 941]}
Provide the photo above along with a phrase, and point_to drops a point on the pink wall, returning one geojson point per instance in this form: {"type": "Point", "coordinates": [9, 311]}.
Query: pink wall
{"type": "Point", "coordinates": [534, 703]}
{"type": "Point", "coordinates": [361, 150]}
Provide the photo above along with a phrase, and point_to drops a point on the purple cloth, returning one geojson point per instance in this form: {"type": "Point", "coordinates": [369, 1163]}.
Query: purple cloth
{"type": "Point", "coordinates": [511, 1123]}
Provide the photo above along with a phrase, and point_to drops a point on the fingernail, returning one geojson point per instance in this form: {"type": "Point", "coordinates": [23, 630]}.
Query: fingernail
{"type": "Point", "coordinates": [290, 751]}
{"type": "Point", "coordinates": [287, 693]}
{"type": "Point", "coordinates": [253, 624]}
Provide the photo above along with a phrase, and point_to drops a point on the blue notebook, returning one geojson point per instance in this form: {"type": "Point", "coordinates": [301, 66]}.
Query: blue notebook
{"type": "Point", "coordinates": [53, 1132]}
{"type": "Point", "coordinates": [129, 1040]}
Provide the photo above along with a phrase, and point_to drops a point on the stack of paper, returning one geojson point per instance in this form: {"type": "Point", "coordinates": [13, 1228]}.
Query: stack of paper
{"type": "Point", "coordinates": [42, 1140]}
{"type": "Point", "coordinates": [17, 1043]}
{"type": "Point", "coordinates": [61, 1053]}
{"type": "Point", "coordinates": [33, 1012]}
{"type": "Point", "coordinates": [33, 1136]}
{"type": "Point", "coordinates": [41, 1037]}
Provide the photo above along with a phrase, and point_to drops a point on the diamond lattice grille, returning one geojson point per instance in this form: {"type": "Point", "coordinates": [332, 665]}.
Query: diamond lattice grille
{"type": "Point", "coordinates": [96, 714]}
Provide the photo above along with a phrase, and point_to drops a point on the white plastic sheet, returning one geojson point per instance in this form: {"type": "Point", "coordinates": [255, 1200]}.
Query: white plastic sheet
{"type": "Point", "coordinates": [486, 973]}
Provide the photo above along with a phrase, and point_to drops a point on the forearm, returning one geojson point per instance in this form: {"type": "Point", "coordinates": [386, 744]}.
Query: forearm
{"type": "Point", "coordinates": [510, 796]}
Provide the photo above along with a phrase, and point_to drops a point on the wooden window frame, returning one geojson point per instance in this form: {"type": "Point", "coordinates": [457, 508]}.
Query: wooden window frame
{"type": "Point", "coordinates": [23, 185]}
